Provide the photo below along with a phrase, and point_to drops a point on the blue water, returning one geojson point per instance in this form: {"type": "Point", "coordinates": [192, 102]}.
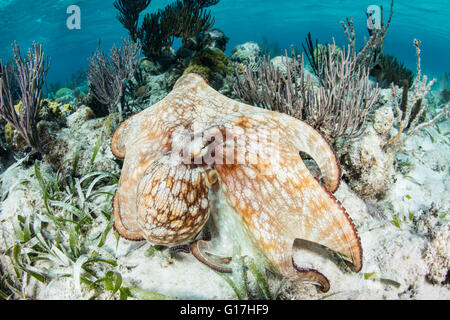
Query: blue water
{"type": "Point", "coordinates": [283, 22]}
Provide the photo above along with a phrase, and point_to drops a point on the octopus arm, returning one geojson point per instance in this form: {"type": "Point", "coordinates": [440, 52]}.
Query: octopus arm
{"type": "Point", "coordinates": [145, 130]}
{"type": "Point", "coordinates": [314, 276]}
{"type": "Point", "coordinates": [118, 142]}
{"type": "Point", "coordinates": [138, 148]}
{"type": "Point", "coordinates": [124, 202]}
{"type": "Point", "coordinates": [295, 135]}
{"type": "Point", "coordinates": [280, 202]}
{"type": "Point", "coordinates": [306, 139]}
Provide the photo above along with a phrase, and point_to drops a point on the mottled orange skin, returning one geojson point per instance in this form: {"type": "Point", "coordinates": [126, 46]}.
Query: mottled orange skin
{"type": "Point", "coordinates": [279, 201]}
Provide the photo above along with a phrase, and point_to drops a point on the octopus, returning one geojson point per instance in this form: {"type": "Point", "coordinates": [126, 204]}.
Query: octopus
{"type": "Point", "coordinates": [198, 155]}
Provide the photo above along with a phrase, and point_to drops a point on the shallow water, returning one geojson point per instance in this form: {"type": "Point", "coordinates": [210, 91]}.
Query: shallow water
{"type": "Point", "coordinates": [282, 23]}
{"type": "Point", "coordinates": [395, 191]}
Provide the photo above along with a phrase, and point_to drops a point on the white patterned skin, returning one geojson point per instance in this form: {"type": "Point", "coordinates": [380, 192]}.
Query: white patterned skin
{"type": "Point", "coordinates": [172, 201]}
{"type": "Point", "coordinates": [278, 199]}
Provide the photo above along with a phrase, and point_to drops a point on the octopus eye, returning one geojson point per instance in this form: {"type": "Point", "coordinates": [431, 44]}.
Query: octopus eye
{"type": "Point", "coordinates": [212, 176]}
{"type": "Point", "coordinates": [172, 202]}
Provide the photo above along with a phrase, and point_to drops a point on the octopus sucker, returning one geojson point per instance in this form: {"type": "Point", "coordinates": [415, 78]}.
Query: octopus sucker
{"type": "Point", "coordinates": [312, 275]}
{"type": "Point", "coordinates": [196, 144]}
{"type": "Point", "coordinates": [295, 223]}
{"type": "Point", "coordinates": [199, 249]}
{"type": "Point", "coordinates": [356, 250]}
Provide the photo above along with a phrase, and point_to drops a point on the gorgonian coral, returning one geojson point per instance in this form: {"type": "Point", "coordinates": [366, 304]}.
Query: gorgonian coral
{"type": "Point", "coordinates": [338, 108]}
{"type": "Point", "coordinates": [108, 76]}
{"type": "Point", "coordinates": [129, 11]}
{"type": "Point", "coordinates": [31, 74]}
{"type": "Point", "coordinates": [181, 19]}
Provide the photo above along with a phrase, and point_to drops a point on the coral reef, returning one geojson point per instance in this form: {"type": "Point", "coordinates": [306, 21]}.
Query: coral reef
{"type": "Point", "coordinates": [54, 111]}
{"type": "Point", "coordinates": [437, 256]}
{"type": "Point", "coordinates": [76, 119]}
{"type": "Point", "coordinates": [9, 133]}
{"type": "Point", "coordinates": [129, 11]}
{"type": "Point", "coordinates": [89, 99]}
{"type": "Point", "coordinates": [213, 39]}
{"type": "Point", "coordinates": [70, 91]}
{"type": "Point", "coordinates": [269, 48]}
{"type": "Point", "coordinates": [314, 54]}
{"type": "Point", "coordinates": [383, 121]}
{"type": "Point", "coordinates": [136, 87]}
{"type": "Point", "coordinates": [13, 77]}
{"type": "Point", "coordinates": [370, 54]}
{"type": "Point", "coordinates": [367, 57]}
{"type": "Point", "coordinates": [247, 54]}
{"type": "Point", "coordinates": [211, 63]}
{"type": "Point", "coordinates": [210, 39]}
{"type": "Point", "coordinates": [369, 161]}
{"type": "Point", "coordinates": [51, 113]}
{"type": "Point", "coordinates": [82, 134]}
{"type": "Point", "coordinates": [62, 92]}
{"type": "Point", "coordinates": [444, 89]}
{"type": "Point", "coordinates": [368, 168]}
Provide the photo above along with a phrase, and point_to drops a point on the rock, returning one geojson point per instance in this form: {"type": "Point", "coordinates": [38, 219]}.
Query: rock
{"type": "Point", "coordinates": [384, 98]}
{"type": "Point", "coordinates": [213, 39]}
{"type": "Point", "coordinates": [279, 63]}
{"type": "Point", "coordinates": [149, 66]}
{"type": "Point", "coordinates": [313, 77]}
{"type": "Point", "coordinates": [213, 64]}
{"type": "Point", "coordinates": [76, 119]}
{"type": "Point", "coordinates": [383, 120]}
{"type": "Point", "coordinates": [369, 169]}
{"type": "Point", "coordinates": [81, 136]}
{"type": "Point", "coordinates": [158, 86]}
{"type": "Point", "coordinates": [55, 111]}
{"type": "Point", "coordinates": [111, 123]}
{"type": "Point", "coordinates": [165, 61]}
{"type": "Point", "coordinates": [210, 39]}
{"type": "Point", "coordinates": [63, 92]}
{"type": "Point", "coordinates": [444, 96]}
{"type": "Point", "coordinates": [247, 53]}
{"type": "Point", "coordinates": [64, 96]}
{"type": "Point", "coordinates": [437, 252]}
{"type": "Point", "coordinates": [437, 256]}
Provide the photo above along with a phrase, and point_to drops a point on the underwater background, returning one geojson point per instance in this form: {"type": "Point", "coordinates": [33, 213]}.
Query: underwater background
{"type": "Point", "coordinates": [371, 123]}
{"type": "Point", "coordinates": [280, 23]}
